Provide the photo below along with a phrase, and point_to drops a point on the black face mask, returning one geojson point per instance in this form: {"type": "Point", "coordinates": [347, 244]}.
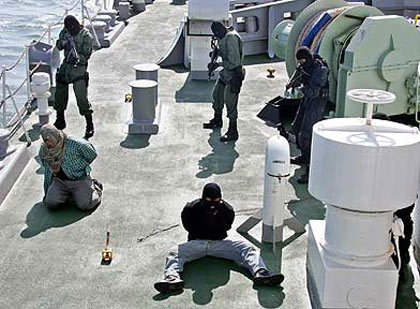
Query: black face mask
{"type": "Point", "coordinates": [72, 25]}
{"type": "Point", "coordinates": [218, 29]}
{"type": "Point", "coordinates": [211, 191]}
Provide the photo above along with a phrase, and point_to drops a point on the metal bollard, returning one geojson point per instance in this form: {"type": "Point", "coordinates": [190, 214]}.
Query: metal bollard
{"type": "Point", "coordinates": [139, 6]}
{"type": "Point", "coordinates": [124, 10]}
{"type": "Point", "coordinates": [144, 102]}
{"type": "Point", "coordinates": [40, 87]}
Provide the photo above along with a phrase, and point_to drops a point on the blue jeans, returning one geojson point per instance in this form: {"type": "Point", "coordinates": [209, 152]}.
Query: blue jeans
{"type": "Point", "coordinates": [237, 251]}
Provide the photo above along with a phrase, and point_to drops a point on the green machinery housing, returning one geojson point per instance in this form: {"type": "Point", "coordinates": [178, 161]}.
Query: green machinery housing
{"type": "Point", "coordinates": [364, 49]}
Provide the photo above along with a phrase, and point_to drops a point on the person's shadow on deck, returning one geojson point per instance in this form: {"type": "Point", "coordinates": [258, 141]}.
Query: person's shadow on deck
{"type": "Point", "coordinates": [40, 218]}
{"type": "Point", "coordinates": [221, 159]}
{"type": "Point", "coordinates": [209, 273]}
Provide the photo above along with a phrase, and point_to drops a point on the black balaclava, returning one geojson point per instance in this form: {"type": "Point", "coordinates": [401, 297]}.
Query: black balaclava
{"type": "Point", "coordinates": [213, 191]}
{"type": "Point", "coordinates": [219, 30]}
{"type": "Point", "coordinates": [305, 53]}
{"type": "Point", "coordinates": [72, 24]}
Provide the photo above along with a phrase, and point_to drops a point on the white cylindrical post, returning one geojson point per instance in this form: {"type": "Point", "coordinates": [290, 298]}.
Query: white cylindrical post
{"type": "Point", "coordinates": [28, 71]}
{"type": "Point", "coordinates": [40, 87]}
{"type": "Point", "coordinates": [277, 165]}
{"type": "Point", "coordinates": [147, 71]}
{"type": "Point", "coordinates": [347, 248]}
{"type": "Point", "coordinates": [363, 170]}
{"type": "Point", "coordinates": [97, 28]}
{"type": "Point", "coordinates": [111, 13]}
{"type": "Point", "coordinates": [83, 12]}
{"type": "Point", "coordinates": [3, 87]}
{"type": "Point", "coordinates": [49, 34]}
{"type": "Point", "coordinates": [105, 19]}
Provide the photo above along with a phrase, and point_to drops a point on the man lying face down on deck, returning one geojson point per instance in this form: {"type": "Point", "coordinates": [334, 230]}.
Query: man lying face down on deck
{"type": "Point", "coordinates": [207, 220]}
{"type": "Point", "coordinates": [66, 161]}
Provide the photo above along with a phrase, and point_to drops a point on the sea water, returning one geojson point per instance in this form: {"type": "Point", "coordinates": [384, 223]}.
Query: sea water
{"type": "Point", "coordinates": [22, 21]}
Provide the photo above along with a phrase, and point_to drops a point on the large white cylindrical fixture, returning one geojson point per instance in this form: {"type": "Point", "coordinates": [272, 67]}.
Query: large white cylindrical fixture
{"type": "Point", "coordinates": [277, 167]}
{"type": "Point", "coordinates": [40, 86]}
{"type": "Point", "coordinates": [349, 235]}
{"type": "Point", "coordinates": [366, 168]}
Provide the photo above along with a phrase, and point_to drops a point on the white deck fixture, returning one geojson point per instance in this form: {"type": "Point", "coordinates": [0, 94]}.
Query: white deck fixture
{"type": "Point", "coordinates": [144, 118]}
{"type": "Point", "coordinates": [139, 5]}
{"type": "Point", "coordinates": [147, 71]}
{"type": "Point", "coordinates": [201, 13]}
{"type": "Point", "coordinates": [40, 87]}
{"type": "Point", "coordinates": [277, 168]}
{"type": "Point", "coordinates": [363, 170]}
{"type": "Point", "coordinates": [124, 10]}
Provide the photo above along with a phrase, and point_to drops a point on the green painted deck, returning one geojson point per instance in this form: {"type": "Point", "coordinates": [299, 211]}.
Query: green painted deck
{"type": "Point", "coordinates": [52, 259]}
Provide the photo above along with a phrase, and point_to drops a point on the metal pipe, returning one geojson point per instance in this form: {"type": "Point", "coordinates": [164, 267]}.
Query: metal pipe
{"type": "Point", "coordinates": [49, 34]}
{"type": "Point", "coordinates": [28, 82]}
{"type": "Point", "coordinates": [3, 78]}
{"type": "Point", "coordinates": [28, 139]}
{"type": "Point", "coordinates": [83, 13]}
{"type": "Point", "coordinates": [93, 29]}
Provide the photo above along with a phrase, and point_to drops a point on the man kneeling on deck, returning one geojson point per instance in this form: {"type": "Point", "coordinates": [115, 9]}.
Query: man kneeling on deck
{"type": "Point", "coordinates": [207, 219]}
{"type": "Point", "coordinates": [66, 164]}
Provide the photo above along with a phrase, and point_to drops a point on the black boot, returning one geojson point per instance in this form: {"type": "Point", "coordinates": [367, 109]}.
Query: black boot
{"type": "Point", "coordinates": [60, 122]}
{"type": "Point", "coordinates": [89, 126]}
{"type": "Point", "coordinates": [232, 132]}
{"type": "Point", "coordinates": [214, 123]}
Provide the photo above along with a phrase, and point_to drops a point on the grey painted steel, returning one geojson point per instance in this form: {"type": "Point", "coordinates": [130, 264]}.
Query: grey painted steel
{"type": "Point", "coordinates": [139, 6]}
{"type": "Point", "coordinates": [53, 258]}
{"type": "Point", "coordinates": [272, 235]}
{"type": "Point", "coordinates": [268, 15]}
{"type": "Point", "coordinates": [5, 147]}
{"type": "Point", "coordinates": [106, 19]}
{"type": "Point", "coordinates": [124, 10]}
{"type": "Point", "coordinates": [112, 14]}
{"type": "Point", "coordinates": [144, 99]}
{"type": "Point", "coordinates": [12, 167]}
{"type": "Point", "coordinates": [147, 71]}
{"type": "Point", "coordinates": [99, 27]}
{"type": "Point", "coordinates": [44, 119]}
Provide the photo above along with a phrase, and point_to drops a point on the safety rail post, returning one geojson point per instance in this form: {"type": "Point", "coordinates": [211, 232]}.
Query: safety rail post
{"type": "Point", "coordinates": [93, 28]}
{"type": "Point", "coordinates": [3, 79]}
{"type": "Point", "coordinates": [105, 7]}
{"type": "Point", "coordinates": [417, 93]}
{"type": "Point", "coordinates": [83, 13]}
{"type": "Point", "coordinates": [28, 71]}
{"type": "Point", "coordinates": [49, 34]}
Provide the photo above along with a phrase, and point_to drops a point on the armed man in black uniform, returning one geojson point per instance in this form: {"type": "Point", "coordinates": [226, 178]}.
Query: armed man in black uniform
{"type": "Point", "coordinates": [77, 44]}
{"type": "Point", "coordinates": [313, 76]}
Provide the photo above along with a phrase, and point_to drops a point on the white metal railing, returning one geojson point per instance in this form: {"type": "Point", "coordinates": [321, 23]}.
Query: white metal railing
{"type": "Point", "coordinates": [25, 55]}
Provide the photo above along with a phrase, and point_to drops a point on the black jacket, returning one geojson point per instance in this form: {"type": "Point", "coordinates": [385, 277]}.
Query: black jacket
{"type": "Point", "coordinates": [203, 221]}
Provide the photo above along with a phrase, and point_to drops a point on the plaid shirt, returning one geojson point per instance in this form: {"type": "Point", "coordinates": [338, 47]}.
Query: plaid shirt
{"type": "Point", "coordinates": [78, 154]}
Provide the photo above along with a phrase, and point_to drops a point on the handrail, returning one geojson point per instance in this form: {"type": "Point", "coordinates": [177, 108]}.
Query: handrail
{"type": "Point", "coordinates": [25, 52]}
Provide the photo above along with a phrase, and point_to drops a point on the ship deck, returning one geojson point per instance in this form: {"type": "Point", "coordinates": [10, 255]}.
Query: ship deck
{"type": "Point", "coordinates": [53, 259]}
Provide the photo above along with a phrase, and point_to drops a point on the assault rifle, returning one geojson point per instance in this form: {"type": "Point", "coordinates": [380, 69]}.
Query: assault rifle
{"type": "Point", "coordinates": [73, 52]}
{"type": "Point", "coordinates": [296, 78]}
{"type": "Point", "coordinates": [214, 54]}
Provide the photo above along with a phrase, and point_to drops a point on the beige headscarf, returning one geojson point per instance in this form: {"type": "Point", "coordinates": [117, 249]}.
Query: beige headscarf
{"type": "Point", "coordinates": [53, 156]}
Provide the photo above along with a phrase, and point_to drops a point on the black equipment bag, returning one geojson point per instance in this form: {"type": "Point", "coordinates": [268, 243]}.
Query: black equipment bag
{"type": "Point", "coordinates": [278, 109]}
